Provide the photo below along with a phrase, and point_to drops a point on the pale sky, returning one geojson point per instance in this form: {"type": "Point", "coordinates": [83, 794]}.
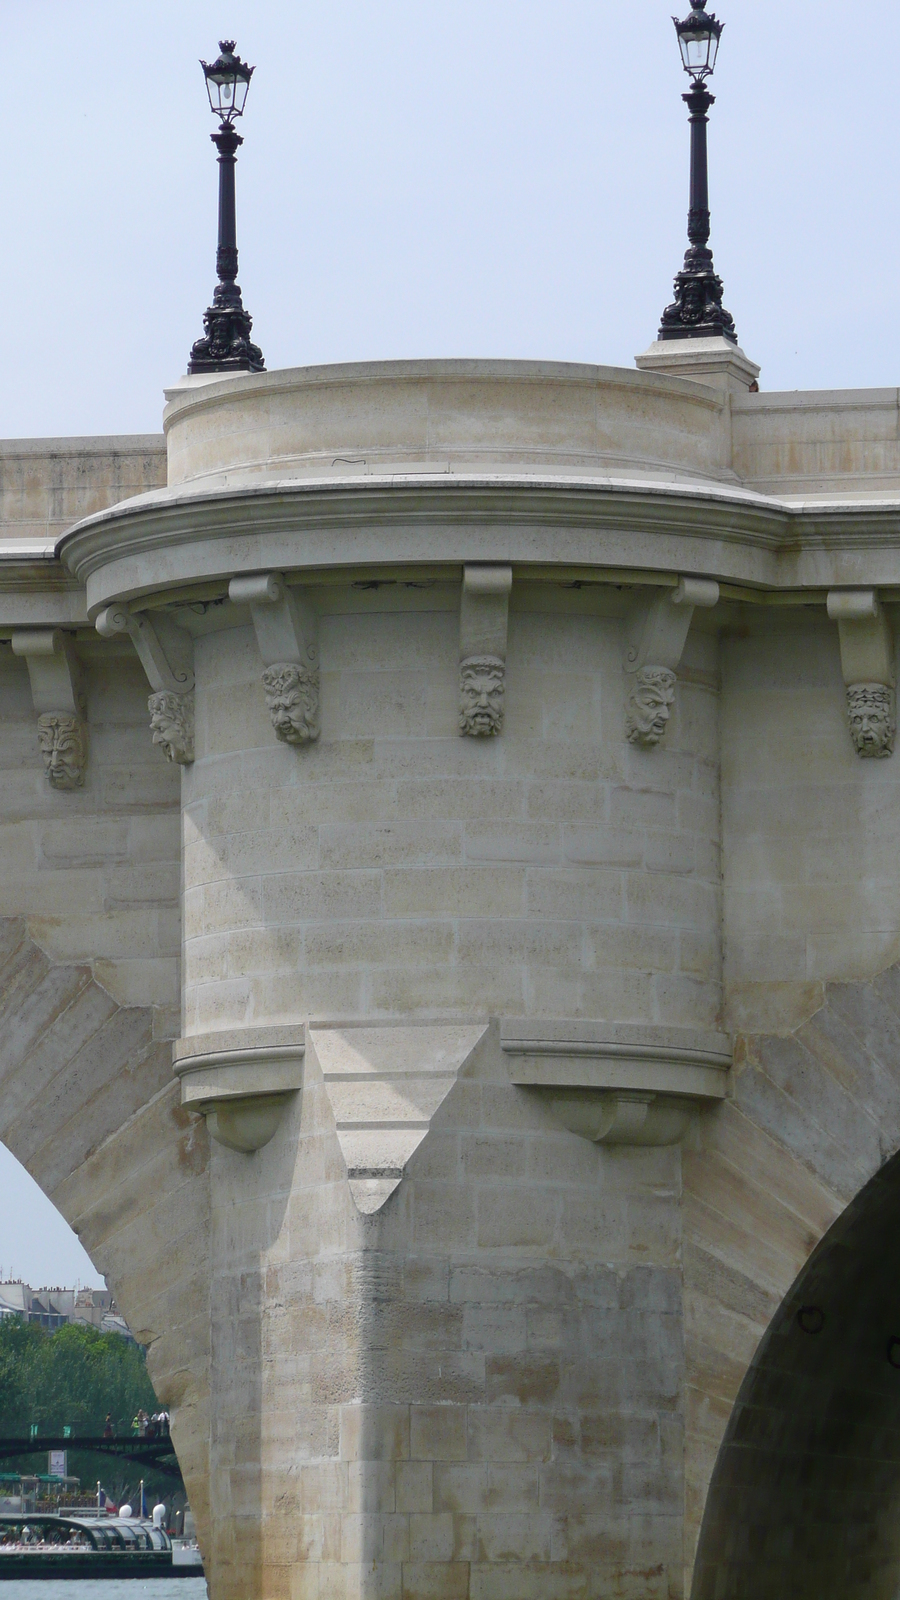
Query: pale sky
{"type": "Point", "coordinates": [482, 179]}
{"type": "Point", "coordinates": [36, 1244]}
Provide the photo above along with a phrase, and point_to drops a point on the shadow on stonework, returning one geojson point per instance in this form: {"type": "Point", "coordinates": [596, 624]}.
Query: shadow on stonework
{"type": "Point", "coordinates": [250, 1314]}
{"type": "Point", "coordinates": [805, 1495]}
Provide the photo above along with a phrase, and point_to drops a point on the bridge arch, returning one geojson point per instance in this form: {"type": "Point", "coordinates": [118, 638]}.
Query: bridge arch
{"type": "Point", "coordinates": [89, 1106]}
{"type": "Point", "coordinates": [804, 1489]}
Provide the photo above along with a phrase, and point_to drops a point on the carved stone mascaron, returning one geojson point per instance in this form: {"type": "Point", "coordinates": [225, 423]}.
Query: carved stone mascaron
{"type": "Point", "coordinates": [292, 696]}
{"type": "Point", "coordinates": [63, 741]}
{"type": "Point", "coordinates": [482, 684]}
{"type": "Point", "coordinates": [651, 692]}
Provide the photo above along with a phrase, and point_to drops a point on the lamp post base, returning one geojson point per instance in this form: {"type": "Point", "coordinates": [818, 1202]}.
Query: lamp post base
{"type": "Point", "coordinates": [697, 311]}
{"type": "Point", "coordinates": [202, 364]}
{"type": "Point", "coordinates": [226, 345]}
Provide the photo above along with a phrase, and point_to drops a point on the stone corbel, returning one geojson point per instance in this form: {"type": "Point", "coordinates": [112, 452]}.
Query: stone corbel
{"type": "Point", "coordinates": [241, 1080]}
{"type": "Point", "coordinates": [656, 639]}
{"type": "Point", "coordinates": [483, 618]}
{"type": "Point", "coordinates": [166, 655]}
{"type": "Point", "coordinates": [618, 1084]}
{"type": "Point", "coordinates": [58, 698]}
{"type": "Point", "coordinates": [286, 633]}
{"type": "Point", "coordinates": [867, 664]}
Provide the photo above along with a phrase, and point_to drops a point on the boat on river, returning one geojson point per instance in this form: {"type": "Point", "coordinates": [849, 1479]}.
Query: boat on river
{"type": "Point", "coordinates": [56, 1545]}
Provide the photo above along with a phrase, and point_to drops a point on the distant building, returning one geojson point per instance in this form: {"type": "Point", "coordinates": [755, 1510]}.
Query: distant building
{"type": "Point", "coordinates": [52, 1308]}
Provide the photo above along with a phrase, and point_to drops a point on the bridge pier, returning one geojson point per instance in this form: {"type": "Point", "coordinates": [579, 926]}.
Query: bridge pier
{"type": "Point", "coordinates": [534, 892]}
{"type": "Point", "coordinates": [446, 1332]}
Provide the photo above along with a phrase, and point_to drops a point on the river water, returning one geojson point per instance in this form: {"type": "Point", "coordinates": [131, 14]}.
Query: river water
{"type": "Point", "coordinates": [103, 1589]}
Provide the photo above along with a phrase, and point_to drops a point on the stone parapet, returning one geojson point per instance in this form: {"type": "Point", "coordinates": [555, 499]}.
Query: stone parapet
{"type": "Point", "coordinates": [441, 417]}
{"type": "Point", "coordinates": [48, 484]}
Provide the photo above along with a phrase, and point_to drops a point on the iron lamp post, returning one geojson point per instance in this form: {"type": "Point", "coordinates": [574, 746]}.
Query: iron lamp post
{"type": "Point", "coordinates": [697, 311]}
{"type": "Point", "coordinates": [226, 345]}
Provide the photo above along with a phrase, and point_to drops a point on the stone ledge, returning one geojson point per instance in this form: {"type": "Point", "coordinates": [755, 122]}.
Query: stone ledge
{"type": "Point", "coordinates": [241, 1080]}
{"type": "Point", "coordinates": [618, 1083]}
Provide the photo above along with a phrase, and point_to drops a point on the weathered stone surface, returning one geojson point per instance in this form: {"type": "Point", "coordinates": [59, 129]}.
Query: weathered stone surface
{"type": "Point", "coordinates": [47, 484]}
{"type": "Point", "coordinates": [88, 1106]}
{"type": "Point", "coordinates": [426, 1341]}
{"type": "Point", "coordinates": [806, 1422]}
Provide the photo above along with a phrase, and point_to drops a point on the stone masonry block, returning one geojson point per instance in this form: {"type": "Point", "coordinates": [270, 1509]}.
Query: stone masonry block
{"type": "Point", "coordinates": [585, 892]}
{"type": "Point", "coordinates": [567, 802]}
{"type": "Point", "coordinates": [374, 1433]}
{"type": "Point", "coordinates": [435, 1537]}
{"type": "Point", "coordinates": [373, 1536]}
{"type": "Point", "coordinates": [501, 1433]}
{"type": "Point", "coordinates": [459, 891]}
{"type": "Point", "coordinates": [306, 896]}
{"type": "Point", "coordinates": [388, 844]}
{"type": "Point", "coordinates": [415, 1489]}
{"type": "Point", "coordinates": [511, 1220]}
{"type": "Point", "coordinates": [515, 1537]}
{"type": "Point", "coordinates": [438, 1433]}
{"type": "Point", "coordinates": [444, 1580]}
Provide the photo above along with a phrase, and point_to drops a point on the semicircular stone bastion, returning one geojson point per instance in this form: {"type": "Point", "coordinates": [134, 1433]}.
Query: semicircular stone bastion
{"type": "Point", "coordinates": [449, 858]}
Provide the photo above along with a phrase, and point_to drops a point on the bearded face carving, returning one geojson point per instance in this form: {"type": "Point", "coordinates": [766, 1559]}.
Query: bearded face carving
{"type": "Point", "coordinates": [650, 697]}
{"type": "Point", "coordinates": [481, 690]}
{"type": "Point", "coordinates": [871, 711]}
{"type": "Point", "coordinates": [172, 724]}
{"type": "Point", "coordinates": [292, 696]}
{"type": "Point", "coordinates": [63, 742]}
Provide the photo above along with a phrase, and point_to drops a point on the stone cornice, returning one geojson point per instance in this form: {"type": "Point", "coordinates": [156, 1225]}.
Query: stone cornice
{"type": "Point", "coordinates": [36, 589]}
{"type": "Point", "coordinates": [169, 518]}
{"type": "Point", "coordinates": [169, 538]}
{"type": "Point", "coordinates": [618, 1083]}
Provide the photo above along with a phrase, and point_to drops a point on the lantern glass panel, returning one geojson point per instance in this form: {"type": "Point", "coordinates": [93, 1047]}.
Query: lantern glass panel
{"type": "Point", "coordinates": [227, 90]}
{"type": "Point", "coordinates": [220, 90]}
{"type": "Point", "coordinates": [699, 46]}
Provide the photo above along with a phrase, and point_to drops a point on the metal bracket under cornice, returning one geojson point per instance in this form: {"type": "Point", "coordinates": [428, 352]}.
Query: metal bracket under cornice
{"type": "Point", "coordinates": [286, 631]}
{"type": "Point", "coordinates": [241, 1079]}
{"type": "Point", "coordinates": [616, 1083]}
{"type": "Point", "coordinates": [657, 633]}
{"type": "Point", "coordinates": [868, 668]}
{"type": "Point", "coordinates": [58, 697]}
{"type": "Point", "coordinates": [483, 624]}
{"type": "Point", "coordinates": [166, 654]}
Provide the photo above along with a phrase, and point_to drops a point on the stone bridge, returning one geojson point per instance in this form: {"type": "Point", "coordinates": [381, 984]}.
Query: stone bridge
{"type": "Point", "coordinates": [449, 907]}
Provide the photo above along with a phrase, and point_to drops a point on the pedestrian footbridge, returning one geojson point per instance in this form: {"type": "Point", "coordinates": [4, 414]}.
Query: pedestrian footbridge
{"type": "Point", "coordinates": [156, 1453]}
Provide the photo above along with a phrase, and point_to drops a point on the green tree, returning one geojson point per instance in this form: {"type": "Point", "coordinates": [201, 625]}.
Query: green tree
{"type": "Point", "coordinates": [72, 1378]}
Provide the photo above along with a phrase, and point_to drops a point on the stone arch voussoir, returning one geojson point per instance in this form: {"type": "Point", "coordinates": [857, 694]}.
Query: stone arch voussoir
{"type": "Point", "coordinates": [792, 1196]}
{"type": "Point", "coordinates": [89, 1105]}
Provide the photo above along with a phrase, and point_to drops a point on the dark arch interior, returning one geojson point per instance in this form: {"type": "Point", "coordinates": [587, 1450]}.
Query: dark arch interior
{"type": "Point", "coordinates": [805, 1495]}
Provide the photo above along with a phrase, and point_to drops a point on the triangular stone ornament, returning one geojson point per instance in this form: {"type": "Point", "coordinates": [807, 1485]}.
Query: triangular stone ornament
{"type": "Point", "coordinates": [384, 1085]}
